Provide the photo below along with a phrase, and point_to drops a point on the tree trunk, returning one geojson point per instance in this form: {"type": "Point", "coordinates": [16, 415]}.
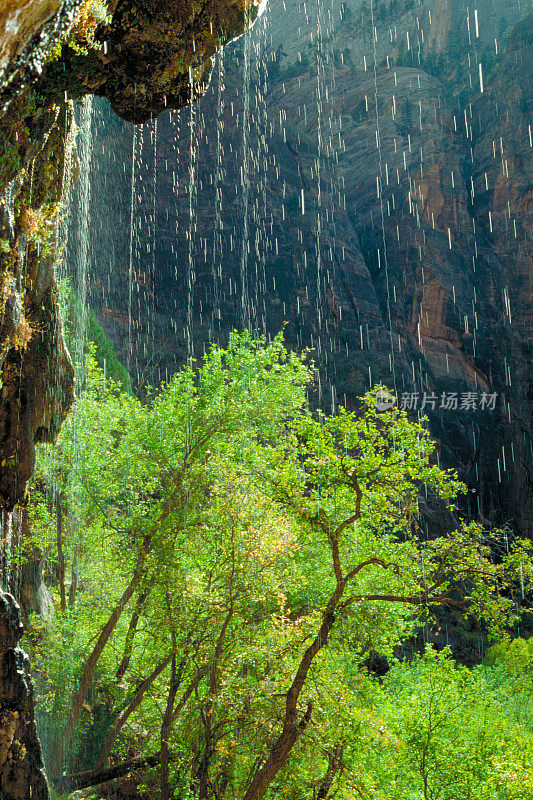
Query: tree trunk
{"type": "Point", "coordinates": [75, 579]}
{"type": "Point", "coordinates": [95, 777]}
{"type": "Point", "coordinates": [90, 666]}
{"type": "Point", "coordinates": [132, 706]}
{"type": "Point", "coordinates": [209, 745]}
{"type": "Point", "coordinates": [166, 729]}
{"type": "Point", "coordinates": [130, 636]}
{"type": "Point", "coordinates": [334, 766]}
{"type": "Point", "coordinates": [292, 726]}
{"type": "Point", "coordinates": [60, 507]}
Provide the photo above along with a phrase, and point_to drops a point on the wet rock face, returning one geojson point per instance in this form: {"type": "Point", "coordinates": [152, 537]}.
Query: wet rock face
{"type": "Point", "coordinates": [443, 295]}
{"type": "Point", "coordinates": [21, 765]}
{"type": "Point", "coordinates": [19, 20]}
{"type": "Point", "coordinates": [155, 54]}
{"type": "Point", "coordinates": [37, 383]}
{"type": "Point", "coordinates": [28, 31]}
{"type": "Point", "coordinates": [36, 374]}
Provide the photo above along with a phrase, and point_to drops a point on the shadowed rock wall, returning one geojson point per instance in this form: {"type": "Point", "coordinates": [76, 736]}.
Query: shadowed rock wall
{"type": "Point", "coordinates": [21, 764]}
{"type": "Point", "coordinates": [409, 263]}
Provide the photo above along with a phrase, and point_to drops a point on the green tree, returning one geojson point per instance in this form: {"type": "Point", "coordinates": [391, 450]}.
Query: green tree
{"type": "Point", "coordinates": [236, 555]}
{"type": "Point", "coordinates": [353, 482]}
{"type": "Point", "coordinates": [140, 479]}
{"type": "Point", "coordinates": [445, 734]}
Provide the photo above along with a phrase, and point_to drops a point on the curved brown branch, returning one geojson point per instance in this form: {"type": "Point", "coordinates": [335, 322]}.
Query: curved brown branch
{"type": "Point", "coordinates": [130, 636]}
{"type": "Point", "coordinates": [96, 777]}
{"type": "Point", "coordinates": [132, 706]}
{"type": "Point", "coordinates": [92, 661]}
{"type": "Point", "coordinates": [293, 726]}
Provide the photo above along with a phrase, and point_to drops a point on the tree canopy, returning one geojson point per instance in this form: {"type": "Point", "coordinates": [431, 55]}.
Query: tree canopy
{"type": "Point", "coordinates": [224, 560]}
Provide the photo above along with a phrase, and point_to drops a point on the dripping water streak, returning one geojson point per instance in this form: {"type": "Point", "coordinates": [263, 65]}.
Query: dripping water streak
{"type": "Point", "coordinates": [382, 211]}
{"type": "Point", "coordinates": [245, 179]}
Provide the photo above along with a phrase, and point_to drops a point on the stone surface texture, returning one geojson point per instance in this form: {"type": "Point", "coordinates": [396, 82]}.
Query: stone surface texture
{"type": "Point", "coordinates": [153, 54]}
{"type": "Point", "coordinates": [19, 19]}
{"type": "Point", "coordinates": [21, 764]}
{"type": "Point", "coordinates": [411, 263]}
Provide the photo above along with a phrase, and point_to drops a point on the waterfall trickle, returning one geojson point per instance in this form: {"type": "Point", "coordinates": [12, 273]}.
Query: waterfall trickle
{"type": "Point", "coordinates": [79, 247]}
{"type": "Point", "coordinates": [247, 313]}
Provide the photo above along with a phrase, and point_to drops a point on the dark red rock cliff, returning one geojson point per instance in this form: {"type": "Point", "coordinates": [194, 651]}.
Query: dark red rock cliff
{"type": "Point", "coordinates": [409, 262]}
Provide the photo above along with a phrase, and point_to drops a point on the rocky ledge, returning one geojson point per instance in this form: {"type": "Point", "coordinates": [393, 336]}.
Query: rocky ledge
{"type": "Point", "coordinates": [147, 55]}
{"type": "Point", "coordinates": [21, 764]}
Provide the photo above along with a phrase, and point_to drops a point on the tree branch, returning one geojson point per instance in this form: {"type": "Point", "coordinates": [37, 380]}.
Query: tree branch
{"type": "Point", "coordinates": [132, 706]}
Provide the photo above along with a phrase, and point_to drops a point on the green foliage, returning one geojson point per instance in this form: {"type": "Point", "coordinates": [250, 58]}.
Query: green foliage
{"type": "Point", "coordinates": [70, 64]}
{"type": "Point", "coordinates": [444, 733]}
{"type": "Point", "coordinates": [229, 551]}
{"type": "Point", "coordinates": [516, 656]}
{"type": "Point", "coordinates": [430, 729]}
{"type": "Point", "coordinates": [18, 119]}
{"type": "Point", "coordinates": [105, 355]}
{"type": "Point", "coordinates": [100, 347]}
{"type": "Point", "coordinates": [41, 228]}
{"type": "Point", "coordinates": [66, 74]}
{"type": "Point", "coordinates": [9, 158]}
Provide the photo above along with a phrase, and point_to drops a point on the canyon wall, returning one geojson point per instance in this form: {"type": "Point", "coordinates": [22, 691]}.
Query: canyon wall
{"type": "Point", "coordinates": [21, 763]}
{"type": "Point", "coordinates": [345, 175]}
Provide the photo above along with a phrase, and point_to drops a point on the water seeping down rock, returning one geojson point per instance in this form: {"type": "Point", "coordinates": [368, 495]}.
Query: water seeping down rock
{"type": "Point", "coordinates": [453, 206]}
{"type": "Point", "coordinates": [143, 56]}
{"type": "Point", "coordinates": [154, 54]}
